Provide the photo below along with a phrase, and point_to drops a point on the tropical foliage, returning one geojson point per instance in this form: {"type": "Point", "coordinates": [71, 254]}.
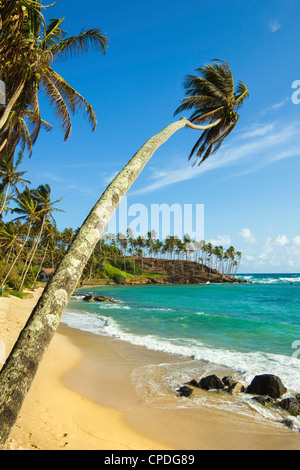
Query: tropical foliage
{"type": "Point", "coordinates": [212, 96]}
{"type": "Point", "coordinates": [28, 49]}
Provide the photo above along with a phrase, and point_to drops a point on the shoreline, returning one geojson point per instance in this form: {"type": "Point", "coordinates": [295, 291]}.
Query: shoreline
{"type": "Point", "coordinates": [83, 398]}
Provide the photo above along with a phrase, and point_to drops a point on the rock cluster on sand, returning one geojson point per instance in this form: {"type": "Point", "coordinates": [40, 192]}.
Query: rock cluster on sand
{"type": "Point", "coordinates": [267, 389]}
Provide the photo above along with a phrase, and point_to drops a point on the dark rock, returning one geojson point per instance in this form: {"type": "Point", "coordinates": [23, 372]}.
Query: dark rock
{"type": "Point", "coordinates": [265, 401]}
{"type": "Point", "coordinates": [193, 383]}
{"type": "Point", "coordinates": [88, 298]}
{"type": "Point", "coordinates": [101, 298]}
{"type": "Point", "coordinates": [267, 384]}
{"type": "Point", "coordinates": [291, 405]}
{"type": "Point", "coordinates": [289, 423]}
{"type": "Point", "coordinates": [212, 382]}
{"type": "Point", "coordinates": [184, 391]}
{"type": "Point", "coordinates": [98, 298]}
{"type": "Point", "coordinates": [237, 387]}
{"type": "Point", "coordinates": [228, 381]}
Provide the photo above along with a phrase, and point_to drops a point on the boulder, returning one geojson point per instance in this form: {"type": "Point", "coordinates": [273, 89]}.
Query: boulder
{"type": "Point", "coordinates": [88, 298]}
{"type": "Point", "coordinates": [184, 391]}
{"type": "Point", "coordinates": [101, 298]}
{"type": "Point", "coordinates": [265, 401]}
{"type": "Point", "coordinates": [228, 381]}
{"type": "Point", "coordinates": [193, 383]}
{"type": "Point", "coordinates": [235, 388]}
{"type": "Point", "coordinates": [211, 382]}
{"type": "Point", "coordinates": [267, 384]}
{"type": "Point", "coordinates": [291, 405]}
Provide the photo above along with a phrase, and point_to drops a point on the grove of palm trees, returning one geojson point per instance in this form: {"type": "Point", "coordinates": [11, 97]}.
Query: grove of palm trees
{"type": "Point", "coordinates": [29, 240]}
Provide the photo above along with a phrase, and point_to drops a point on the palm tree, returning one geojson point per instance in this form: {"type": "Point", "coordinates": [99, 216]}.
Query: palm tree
{"type": "Point", "coordinates": [45, 209]}
{"type": "Point", "coordinates": [34, 339]}
{"type": "Point", "coordinates": [27, 208]}
{"type": "Point", "coordinates": [10, 238]}
{"type": "Point", "coordinates": [213, 97]}
{"type": "Point", "coordinates": [39, 45]}
{"type": "Point", "coordinates": [11, 177]}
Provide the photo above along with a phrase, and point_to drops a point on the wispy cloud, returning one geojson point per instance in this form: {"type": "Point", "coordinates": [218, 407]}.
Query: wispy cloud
{"type": "Point", "coordinates": [252, 149]}
{"type": "Point", "coordinates": [275, 106]}
{"type": "Point", "coordinates": [274, 26]}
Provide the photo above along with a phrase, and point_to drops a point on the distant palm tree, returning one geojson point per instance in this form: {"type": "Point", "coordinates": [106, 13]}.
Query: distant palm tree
{"type": "Point", "coordinates": [27, 209]}
{"type": "Point", "coordinates": [45, 209]}
{"type": "Point", "coordinates": [39, 329]}
{"type": "Point", "coordinates": [10, 177]}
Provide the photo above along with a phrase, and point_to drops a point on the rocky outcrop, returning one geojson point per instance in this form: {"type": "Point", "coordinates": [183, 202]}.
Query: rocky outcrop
{"type": "Point", "coordinates": [98, 298]}
{"type": "Point", "coordinates": [268, 390]}
{"type": "Point", "coordinates": [184, 391]}
{"type": "Point", "coordinates": [267, 384]}
{"type": "Point", "coordinates": [212, 382]}
{"type": "Point", "coordinates": [291, 405]}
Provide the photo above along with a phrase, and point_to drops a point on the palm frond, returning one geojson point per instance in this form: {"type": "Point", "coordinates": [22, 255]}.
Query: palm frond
{"type": "Point", "coordinates": [93, 39]}
{"type": "Point", "coordinates": [241, 95]}
{"type": "Point", "coordinates": [74, 100]}
{"type": "Point", "coordinates": [60, 108]}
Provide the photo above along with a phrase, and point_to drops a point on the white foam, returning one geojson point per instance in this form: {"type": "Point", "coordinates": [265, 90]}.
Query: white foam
{"type": "Point", "coordinates": [249, 364]}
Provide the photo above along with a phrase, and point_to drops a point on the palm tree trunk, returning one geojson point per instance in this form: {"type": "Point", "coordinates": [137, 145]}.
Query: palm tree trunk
{"type": "Point", "coordinates": [5, 198]}
{"type": "Point", "coordinates": [11, 104]}
{"type": "Point", "coordinates": [32, 254]}
{"type": "Point", "coordinates": [41, 265]}
{"type": "Point", "coordinates": [13, 264]}
{"type": "Point", "coordinates": [21, 366]}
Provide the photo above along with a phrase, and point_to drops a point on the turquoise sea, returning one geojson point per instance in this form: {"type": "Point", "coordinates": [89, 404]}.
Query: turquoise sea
{"type": "Point", "coordinates": [252, 328]}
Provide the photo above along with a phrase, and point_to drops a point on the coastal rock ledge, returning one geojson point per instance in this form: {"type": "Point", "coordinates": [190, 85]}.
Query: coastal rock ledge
{"type": "Point", "coordinates": [99, 298]}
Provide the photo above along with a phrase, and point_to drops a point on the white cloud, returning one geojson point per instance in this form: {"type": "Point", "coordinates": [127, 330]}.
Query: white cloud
{"type": "Point", "coordinates": [221, 240]}
{"type": "Point", "coordinates": [296, 240]}
{"type": "Point", "coordinates": [258, 131]}
{"type": "Point", "coordinates": [279, 254]}
{"type": "Point", "coordinates": [282, 240]}
{"type": "Point", "coordinates": [246, 234]}
{"type": "Point", "coordinates": [274, 26]}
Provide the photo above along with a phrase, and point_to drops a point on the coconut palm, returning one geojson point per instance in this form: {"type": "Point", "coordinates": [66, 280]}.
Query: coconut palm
{"type": "Point", "coordinates": [27, 209]}
{"type": "Point", "coordinates": [45, 318]}
{"type": "Point", "coordinates": [39, 45]}
{"type": "Point", "coordinates": [10, 177]}
{"type": "Point", "coordinates": [45, 208]}
{"type": "Point", "coordinates": [213, 97]}
{"type": "Point", "coordinates": [10, 238]}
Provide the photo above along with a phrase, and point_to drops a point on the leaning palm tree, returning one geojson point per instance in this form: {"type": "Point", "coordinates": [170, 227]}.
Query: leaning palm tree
{"type": "Point", "coordinates": [20, 368]}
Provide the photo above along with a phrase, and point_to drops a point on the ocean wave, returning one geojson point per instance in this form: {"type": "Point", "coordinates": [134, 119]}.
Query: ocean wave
{"type": "Point", "coordinates": [248, 364]}
{"type": "Point", "coordinates": [267, 279]}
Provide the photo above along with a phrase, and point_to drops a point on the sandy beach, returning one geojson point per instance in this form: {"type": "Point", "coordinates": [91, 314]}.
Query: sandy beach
{"type": "Point", "coordinates": [83, 398]}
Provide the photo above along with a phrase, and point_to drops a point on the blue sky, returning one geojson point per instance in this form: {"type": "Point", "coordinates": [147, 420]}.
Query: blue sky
{"type": "Point", "coordinates": [250, 189]}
